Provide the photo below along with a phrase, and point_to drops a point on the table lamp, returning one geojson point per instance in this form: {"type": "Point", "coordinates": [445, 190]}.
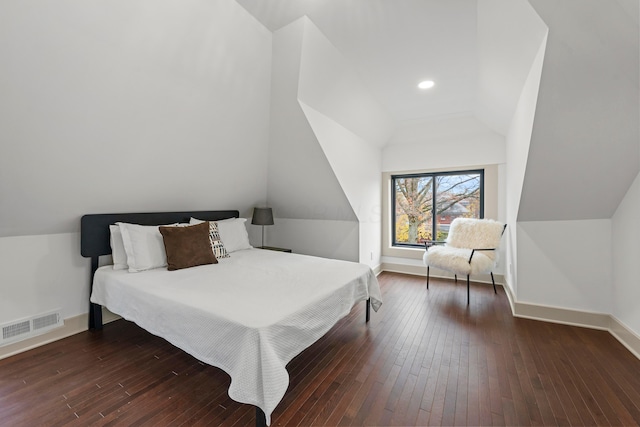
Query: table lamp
{"type": "Point", "coordinates": [262, 216]}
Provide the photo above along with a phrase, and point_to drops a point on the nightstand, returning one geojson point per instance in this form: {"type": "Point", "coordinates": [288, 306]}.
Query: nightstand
{"type": "Point", "coordinates": [273, 248]}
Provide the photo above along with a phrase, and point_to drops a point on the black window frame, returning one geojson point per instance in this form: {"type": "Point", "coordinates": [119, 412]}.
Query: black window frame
{"type": "Point", "coordinates": [397, 244]}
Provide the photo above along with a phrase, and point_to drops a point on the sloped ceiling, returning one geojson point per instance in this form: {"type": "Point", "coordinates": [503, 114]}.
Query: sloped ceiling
{"type": "Point", "coordinates": [393, 45]}
{"type": "Point", "coordinates": [509, 36]}
{"type": "Point", "coordinates": [128, 107]}
{"type": "Point", "coordinates": [584, 151]}
{"type": "Point", "coordinates": [477, 51]}
{"type": "Point", "coordinates": [301, 183]}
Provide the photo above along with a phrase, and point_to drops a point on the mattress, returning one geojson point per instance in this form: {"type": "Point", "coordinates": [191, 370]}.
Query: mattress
{"type": "Point", "coordinates": [249, 315]}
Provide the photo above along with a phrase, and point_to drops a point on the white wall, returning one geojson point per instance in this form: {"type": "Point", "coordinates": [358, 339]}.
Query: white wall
{"type": "Point", "coordinates": [324, 148]}
{"type": "Point", "coordinates": [350, 126]}
{"type": "Point", "coordinates": [120, 106]}
{"type": "Point", "coordinates": [301, 183]}
{"type": "Point", "coordinates": [323, 238]}
{"type": "Point", "coordinates": [517, 142]}
{"type": "Point", "coordinates": [509, 35]}
{"type": "Point", "coordinates": [124, 105]}
{"type": "Point", "coordinates": [626, 253]}
{"type": "Point", "coordinates": [572, 252]}
{"type": "Point", "coordinates": [511, 47]}
{"type": "Point", "coordinates": [458, 142]}
{"type": "Point", "coordinates": [41, 274]}
{"type": "Point", "coordinates": [454, 143]}
{"type": "Point", "coordinates": [565, 264]}
{"type": "Point", "coordinates": [584, 131]}
{"type": "Point", "coordinates": [329, 84]}
{"type": "Point", "coordinates": [625, 288]}
{"type": "Point", "coordinates": [357, 167]}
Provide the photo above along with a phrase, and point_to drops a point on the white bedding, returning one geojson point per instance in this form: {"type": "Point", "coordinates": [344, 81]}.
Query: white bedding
{"type": "Point", "coordinates": [249, 315]}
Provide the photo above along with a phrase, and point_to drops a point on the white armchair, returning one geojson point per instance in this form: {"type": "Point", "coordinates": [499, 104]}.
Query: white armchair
{"type": "Point", "coordinates": [470, 248]}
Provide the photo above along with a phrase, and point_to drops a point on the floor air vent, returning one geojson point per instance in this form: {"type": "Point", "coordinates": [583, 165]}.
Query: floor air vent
{"type": "Point", "coordinates": [26, 328]}
{"type": "Point", "coordinates": [45, 321]}
{"type": "Point", "coordinates": [16, 329]}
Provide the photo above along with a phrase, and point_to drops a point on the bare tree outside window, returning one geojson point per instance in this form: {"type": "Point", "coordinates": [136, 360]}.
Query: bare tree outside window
{"type": "Point", "coordinates": [419, 216]}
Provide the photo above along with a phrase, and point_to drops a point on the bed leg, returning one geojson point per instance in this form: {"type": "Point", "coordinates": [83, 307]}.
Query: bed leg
{"type": "Point", "coordinates": [368, 315]}
{"type": "Point", "coordinates": [95, 310]}
{"type": "Point", "coordinates": [95, 316]}
{"type": "Point", "coordinates": [261, 419]}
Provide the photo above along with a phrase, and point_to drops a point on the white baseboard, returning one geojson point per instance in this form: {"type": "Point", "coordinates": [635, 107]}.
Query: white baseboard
{"type": "Point", "coordinates": [625, 335]}
{"type": "Point", "coordinates": [72, 326]}
{"type": "Point", "coordinates": [601, 321]}
{"type": "Point", "coordinates": [565, 316]}
{"type": "Point", "coordinates": [414, 270]}
{"type": "Point", "coordinates": [510, 297]}
{"type": "Point", "coordinates": [377, 269]}
{"type": "Point", "coordinates": [421, 270]}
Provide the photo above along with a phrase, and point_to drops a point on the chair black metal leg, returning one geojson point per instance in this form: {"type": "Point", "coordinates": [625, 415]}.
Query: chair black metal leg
{"type": "Point", "coordinates": [427, 277]}
{"type": "Point", "coordinates": [467, 289]}
{"type": "Point", "coordinates": [455, 278]}
{"type": "Point", "coordinates": [494, 283]}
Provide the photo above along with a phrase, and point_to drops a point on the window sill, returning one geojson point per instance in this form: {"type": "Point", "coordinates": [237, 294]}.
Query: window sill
{"type": "Point", "coordinates": [401, 260]}
{"type": "Point", "coordinates": [403, 252]}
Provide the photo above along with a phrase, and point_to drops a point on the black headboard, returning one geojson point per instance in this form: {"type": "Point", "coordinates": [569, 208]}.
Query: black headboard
{"type": "Point", "coordinates": [94, 228]}
{"type": "Point", "coordinates": [95, 238]}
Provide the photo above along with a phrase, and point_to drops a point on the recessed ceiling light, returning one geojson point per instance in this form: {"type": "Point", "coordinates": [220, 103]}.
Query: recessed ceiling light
{"type": "Point", "coordinates": [426, 84]}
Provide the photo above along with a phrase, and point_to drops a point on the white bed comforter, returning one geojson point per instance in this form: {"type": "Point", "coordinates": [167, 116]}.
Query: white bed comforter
{"type": "Point", "coordinates": [249, 315]}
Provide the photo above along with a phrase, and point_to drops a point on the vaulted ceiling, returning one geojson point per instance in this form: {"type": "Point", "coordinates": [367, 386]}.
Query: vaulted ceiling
{"type": "Point", "coordinates": [393, 45]}
{"type": "Point", "coordinates": [479, 53]}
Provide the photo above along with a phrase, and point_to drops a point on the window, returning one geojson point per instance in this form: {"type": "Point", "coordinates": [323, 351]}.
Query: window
{"type": "Point", "coordinates": [423, 205]}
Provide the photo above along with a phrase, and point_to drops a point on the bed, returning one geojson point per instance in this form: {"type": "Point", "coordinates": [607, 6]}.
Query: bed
{"type": "Point", "coordinates": [248, 315]}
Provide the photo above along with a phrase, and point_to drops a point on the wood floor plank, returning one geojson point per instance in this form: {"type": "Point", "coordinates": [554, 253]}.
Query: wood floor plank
{"type": "Point", "coordinates": [426, 358]}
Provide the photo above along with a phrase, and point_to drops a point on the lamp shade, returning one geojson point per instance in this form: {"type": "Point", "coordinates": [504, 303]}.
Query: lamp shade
{"type": "Point", "coordinates": [262, 216]}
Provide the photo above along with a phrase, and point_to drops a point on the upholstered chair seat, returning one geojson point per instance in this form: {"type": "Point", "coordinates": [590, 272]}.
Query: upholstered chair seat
{"type": "Point", "coordinates": [471, 248]}
{"type": "Point", "coordinates": [456, 260]}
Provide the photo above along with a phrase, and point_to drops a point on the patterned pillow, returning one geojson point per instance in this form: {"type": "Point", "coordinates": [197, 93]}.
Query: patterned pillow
{"type": "Point", "coordinates": [216, 243]}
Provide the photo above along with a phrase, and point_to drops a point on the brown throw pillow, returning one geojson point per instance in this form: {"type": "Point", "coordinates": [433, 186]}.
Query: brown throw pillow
{"type": "Point", "coordinates": [187, 246]}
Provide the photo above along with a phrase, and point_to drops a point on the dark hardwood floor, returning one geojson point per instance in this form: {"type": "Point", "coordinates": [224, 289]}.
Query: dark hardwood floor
{"type": "Point", "coordinates": [425, 359]}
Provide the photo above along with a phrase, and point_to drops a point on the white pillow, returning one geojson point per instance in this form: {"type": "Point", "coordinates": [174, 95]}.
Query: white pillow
{"type": "Point", "coordinates": [117, 249]}
{"type": "Point", "coordinates": [233, 233]}
{"type": "Point", "coordinates": [144, 246]}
